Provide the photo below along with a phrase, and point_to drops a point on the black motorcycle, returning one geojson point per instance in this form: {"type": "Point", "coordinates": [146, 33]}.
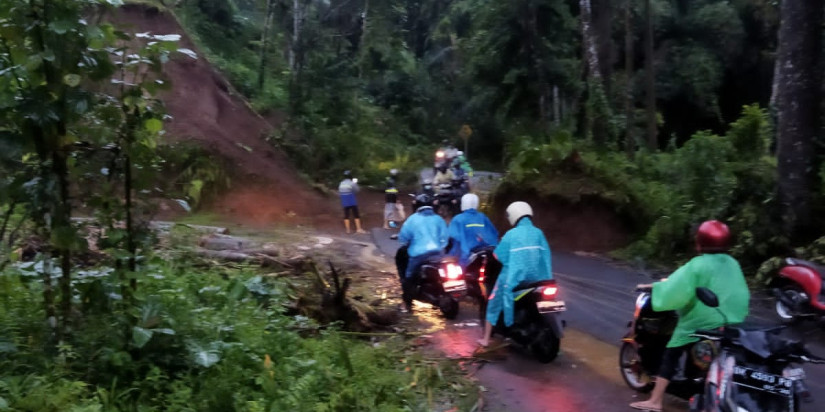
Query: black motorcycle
{"type": "Point", "coordinates": [439, 281]}
{"type": "Point", "coordinates": [754, 370]}
{"type": "Point", "coordinates": [643, 346]}
{"type": "Point", "coordinates": [536, 324]}
{"type": "Point", "coordinates": [446, 203]}
{"type": "Point", "coordinates": [481, 272]}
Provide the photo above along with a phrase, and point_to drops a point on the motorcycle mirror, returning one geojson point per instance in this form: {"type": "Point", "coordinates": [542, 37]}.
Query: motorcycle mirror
{"type": "Point", "coordinates": [707, 297]}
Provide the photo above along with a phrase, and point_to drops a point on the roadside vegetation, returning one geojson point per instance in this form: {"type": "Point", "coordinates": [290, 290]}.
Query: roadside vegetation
{"type": "Point", "coordinates": [109, 314]}
{"type": "Point", "coordinates": [645, 94]}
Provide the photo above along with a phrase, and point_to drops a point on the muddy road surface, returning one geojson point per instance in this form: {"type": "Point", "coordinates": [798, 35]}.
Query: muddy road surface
{"type": "Point", "coordinates": [585, 377]}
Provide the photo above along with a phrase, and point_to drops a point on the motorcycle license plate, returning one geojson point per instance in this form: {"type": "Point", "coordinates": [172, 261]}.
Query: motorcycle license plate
{"type": "Point", "coordinates": [548, 306]}
{"type": "Point", "coordinates": [454, 285]}
{"type": "Point", "coordinates": [762, 381]}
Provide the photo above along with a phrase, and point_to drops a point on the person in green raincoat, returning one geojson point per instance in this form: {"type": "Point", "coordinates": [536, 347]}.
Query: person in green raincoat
{"type": "Point", "coordinates": [525, 256]}
{"type": "Point", "coordinates": [713, 269]}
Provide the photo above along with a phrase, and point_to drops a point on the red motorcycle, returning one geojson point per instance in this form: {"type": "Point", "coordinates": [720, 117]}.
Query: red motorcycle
{"type": "Point", "coordinates": [799, 290]}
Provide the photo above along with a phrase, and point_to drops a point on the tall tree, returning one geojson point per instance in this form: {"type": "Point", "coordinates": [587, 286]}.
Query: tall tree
{"type": "Point", "coordinates": [270, 10]}
{"type": "Point", "coordinates": [597, 105]}
{"type": "Point", "coordinates": [629, 139]}
{"type": "Point", "coordinates": [797, 87]}
{"type": "Point", "coordinates": [650, 81]}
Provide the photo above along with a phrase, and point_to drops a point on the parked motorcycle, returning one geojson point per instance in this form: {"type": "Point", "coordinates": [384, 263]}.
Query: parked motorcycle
{"type": "Point", "coordinates": [799, 291]}
{"type": "Point", "coordinates": [754, 370]}
{"type": "Point", "coordinates": [643, 346]}
{"type": "Point", "coordinates": [439, 281]}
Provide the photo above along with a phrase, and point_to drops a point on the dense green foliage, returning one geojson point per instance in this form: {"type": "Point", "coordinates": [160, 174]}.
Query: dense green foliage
{"type": "Point", "coordinates": [198, 339]}
{"type": "Point", "coordinates": [728, 177]}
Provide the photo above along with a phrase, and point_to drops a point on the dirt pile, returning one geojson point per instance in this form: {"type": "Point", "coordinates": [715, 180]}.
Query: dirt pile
{"type": "Point", "coordinates": [206, 110]}
{"type": "Point", "coordinates": [590, 224]}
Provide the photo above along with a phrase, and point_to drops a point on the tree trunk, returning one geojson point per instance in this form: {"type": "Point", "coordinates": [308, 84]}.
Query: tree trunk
{"type": "Point", "coordinates": [650, 82]}
{"type": "Point", "coordinates": [264, 45]}
{"type": "Point", "coordinates": [797, 102]}
{"type": "Point", "coordinates": [629, 139]}
{"type": "Point", "coordinates": [556, 106]}
{"type": "Point", "coordinates": [362, 49]}
{"type": "Point", "coordinates": [602, 25]}
{"type": "Point", "coordinates": [597, 106]}
{"type": "Point", "coordinates": [297, 18]}
{"type": "Point", "coordinates": [62, 226]}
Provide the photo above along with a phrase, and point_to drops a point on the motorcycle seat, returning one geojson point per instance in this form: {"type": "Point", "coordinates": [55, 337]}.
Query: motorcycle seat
{"type": "Point", "coordinates": [807, 264]}
{"type": "Point", "coordinates": [528, 285]}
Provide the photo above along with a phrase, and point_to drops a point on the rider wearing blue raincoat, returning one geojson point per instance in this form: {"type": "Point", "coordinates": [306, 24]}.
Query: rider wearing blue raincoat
{"type": "Point", "coordinates": [470, 229]}
{"type": "Point", "coordinates": [423, 236]}
{"type": "Point", "coordinates": [525, 256]}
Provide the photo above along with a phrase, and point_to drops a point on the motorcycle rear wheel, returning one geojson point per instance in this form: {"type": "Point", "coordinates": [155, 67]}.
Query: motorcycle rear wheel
{"type": "Point", "coordinates": [449, 307]}
{"type": "Point", "coordinates": [631, 368]}
{"type": "Point", "coordinates": [546, 346]}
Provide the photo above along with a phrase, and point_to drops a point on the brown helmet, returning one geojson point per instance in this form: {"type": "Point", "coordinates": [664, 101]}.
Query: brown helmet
{"type": "Point", "coordinates": [712, 236]}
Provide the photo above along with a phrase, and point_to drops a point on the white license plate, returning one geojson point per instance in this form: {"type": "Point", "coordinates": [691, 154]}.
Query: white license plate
{"type": "Point", "coordinates": [546, 306]}
{"type": "Point", "coordinates": [454, 285]}
{"type": "Point", "coordinates": [763, 381]}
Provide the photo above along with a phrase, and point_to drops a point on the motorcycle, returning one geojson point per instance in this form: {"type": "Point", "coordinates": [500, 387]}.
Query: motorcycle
{"type": "Point", "coordinates": [536, 324]}
{"type": "Point", "coordinates": [799, 291]}
{"type": "Point", "coordinates": [754, 370]}
{"type": "Point", "coordinates": [446, 202]}
{"type": "Point", "coordinates": [481, 273]}
{"type": "Point", "coordinates": [439, 282]}
{"type": "Point", "coordinates": [643, 346]}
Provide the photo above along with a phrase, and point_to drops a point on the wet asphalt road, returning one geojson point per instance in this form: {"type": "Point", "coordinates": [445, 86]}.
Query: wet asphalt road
{"type": "Point", "coordinates": [600, 299]}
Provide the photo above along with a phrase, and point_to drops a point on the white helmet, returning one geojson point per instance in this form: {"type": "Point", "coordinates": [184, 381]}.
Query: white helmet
{"type": "Point", "coordinates": [469, 201]}
{"type": "Point", "coordinates": [518, 210]}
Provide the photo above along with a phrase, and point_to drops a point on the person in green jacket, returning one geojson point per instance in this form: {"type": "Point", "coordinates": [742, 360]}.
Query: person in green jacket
{"type": "Point", "coordinates": [713, 269]}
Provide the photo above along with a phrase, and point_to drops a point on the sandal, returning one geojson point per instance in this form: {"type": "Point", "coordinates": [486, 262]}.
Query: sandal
{"type": "Point", "coordinates": [642, 407]}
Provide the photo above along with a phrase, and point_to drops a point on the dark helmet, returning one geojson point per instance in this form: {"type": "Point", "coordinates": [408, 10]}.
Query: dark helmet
{"type": "Point", "coordinates": [347, 173]}
{"type": "Point", "coordinates": [712, 236]}
{"type": "Point", "coordinates": [422, 200]}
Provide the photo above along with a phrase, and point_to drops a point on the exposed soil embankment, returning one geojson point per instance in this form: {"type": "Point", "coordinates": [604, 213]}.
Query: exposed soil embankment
{"type": "Point", "coordinates": [589, 223]}
{"type": "Point", "coordinates": [266, 187]}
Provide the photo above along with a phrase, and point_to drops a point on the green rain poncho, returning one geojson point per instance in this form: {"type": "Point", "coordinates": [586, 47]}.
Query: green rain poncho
{"type": "Point", "coordinates": [717, 272]}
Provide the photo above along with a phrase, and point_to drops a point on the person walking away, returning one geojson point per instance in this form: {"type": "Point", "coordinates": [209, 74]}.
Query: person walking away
{"type": "Point", "coordinates": [423, 236]}
{"type": "Point", "coordinates": [713, 269]}
{"type": "Point", "coordinates": [525, 256]}
{"type": "Point", "coordinates": [347, 190]}
{"type": "Point", "coordinates": [470, 230]}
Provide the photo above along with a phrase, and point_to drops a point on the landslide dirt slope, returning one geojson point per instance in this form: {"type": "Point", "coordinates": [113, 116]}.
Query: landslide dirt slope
{"type": "Point", "coordinates": [205, 109]}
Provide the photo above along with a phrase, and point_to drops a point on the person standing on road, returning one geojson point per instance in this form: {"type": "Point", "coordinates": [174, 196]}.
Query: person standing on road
{"type": "Point", "coordinates": [423, 236]}
{"type": "Point", "coordinates": [713, 269]}
{"type": "Point", "coordinates": [470, 229]}
{"type": "Point", "coordinates": [525, 256]}
{"type": "Point", "coordinates": [347, 190]}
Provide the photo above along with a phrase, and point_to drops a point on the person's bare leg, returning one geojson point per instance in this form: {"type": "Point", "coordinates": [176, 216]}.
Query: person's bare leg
{"type": "Point", "coordinates": [358, 226]}
{"type": "Point", "coordinates": [656, 397]}
{"type": "Point", "coordinates": [346, 225]}
{"type": "Point", "coordinates": [488, 331]}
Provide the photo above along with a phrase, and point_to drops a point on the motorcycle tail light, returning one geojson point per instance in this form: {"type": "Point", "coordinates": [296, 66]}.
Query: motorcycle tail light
{"type": "Point", "coordinates": [452, 271]}
{"type": "Point", "coordinates": [549, 292]}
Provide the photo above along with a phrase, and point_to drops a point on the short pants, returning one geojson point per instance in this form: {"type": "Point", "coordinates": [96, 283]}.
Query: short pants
{"type": "Point", "coordinates": [354, 210]}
